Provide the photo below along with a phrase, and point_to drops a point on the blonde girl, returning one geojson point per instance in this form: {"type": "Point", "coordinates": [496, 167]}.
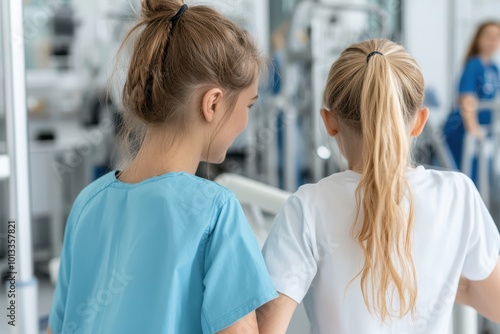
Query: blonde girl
{"type": "Point", "coordinates": [381, 247]}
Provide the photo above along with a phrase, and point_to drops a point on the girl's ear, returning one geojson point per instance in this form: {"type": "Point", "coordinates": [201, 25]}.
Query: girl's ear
{"type": "Point", "coordinates": [330, 121]}
{"type": "Point", "coordinates": [420, 121]}
{"type": "Point", "coordinates": [210, 103]}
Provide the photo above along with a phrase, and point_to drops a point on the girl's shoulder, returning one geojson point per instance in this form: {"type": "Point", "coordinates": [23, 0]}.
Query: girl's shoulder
{"type": "Point", "coordinates": [473, 64]}
{"type": "Point", "coordinates": [420, 178]}
{"type": "Point", "coordinates": [441, 176]}
{"type": "Point", "coordinates": [475, 61]}
{"type": "Point", "coordinates": [454, 185]}
{"type": "Point", "coordinates": [95, 187]}
{"type": "Point", "coordinates": [183, 186]}
{"type": "Point", "coordinates": [337, 183]}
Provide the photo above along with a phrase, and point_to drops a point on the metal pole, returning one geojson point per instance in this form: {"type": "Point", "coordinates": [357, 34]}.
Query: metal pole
{"type": "Point", "coordinates": [26, 315]}
{"type": "Point", "coordinates": [289, 131]}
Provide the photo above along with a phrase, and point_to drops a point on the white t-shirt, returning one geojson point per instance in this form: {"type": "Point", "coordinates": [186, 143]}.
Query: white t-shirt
{"type": "Point", "coordinates": [311, 255]}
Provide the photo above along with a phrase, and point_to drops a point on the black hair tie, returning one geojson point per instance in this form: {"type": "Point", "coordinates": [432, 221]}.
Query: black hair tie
{"type": "Point", "coordinates": [373, 54]}
{"type": "Point", "coordinates": [179, 14]}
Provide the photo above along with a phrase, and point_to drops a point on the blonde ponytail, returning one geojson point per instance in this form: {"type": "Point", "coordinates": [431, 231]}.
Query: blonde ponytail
{"type": "Point", "coordinates": [385, 234]}
{"type": "Point", "coordinates": [381, 96]}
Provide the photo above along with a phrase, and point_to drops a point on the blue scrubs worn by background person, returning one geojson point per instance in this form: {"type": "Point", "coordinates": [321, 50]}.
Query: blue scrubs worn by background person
{"type": "Point", "coordinates": [482, 80]}
{"type": "Point", "coordinates": [152, 248]}
{"type": "Point", "coordinates": [479, 82]}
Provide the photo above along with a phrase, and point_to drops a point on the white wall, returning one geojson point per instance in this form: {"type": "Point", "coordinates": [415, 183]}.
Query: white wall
{"type": "Point", "coordinates": [437, 33]}
{"type": "Point", "coordinates": [427, 37]}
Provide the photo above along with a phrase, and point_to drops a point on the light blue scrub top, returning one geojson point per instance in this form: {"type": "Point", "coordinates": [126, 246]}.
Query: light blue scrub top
{"type": "Point", "coordinates": [172, 254]}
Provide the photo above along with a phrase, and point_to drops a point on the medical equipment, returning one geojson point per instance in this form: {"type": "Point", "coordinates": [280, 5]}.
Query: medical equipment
{"type": "Point", "coordinates": [64, 29]}
{"type": "Point", "coordinates": [486, 150]}
{"type": "Point", "coordinates": [319, 31]}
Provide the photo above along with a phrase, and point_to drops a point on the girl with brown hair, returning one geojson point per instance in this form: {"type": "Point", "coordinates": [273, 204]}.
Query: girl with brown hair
{"type": "Point", "coordinates": [153, 248]}
{"type": "Point", "coordinates": [381, 247]}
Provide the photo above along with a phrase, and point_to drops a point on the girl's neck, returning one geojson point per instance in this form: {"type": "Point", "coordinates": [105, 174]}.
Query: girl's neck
{"type": "Point", "coordinates": [356, 168]}
{"type": "Point", "coordinates": [486, 58]}
{"type": "Point", "coordinates": [158, 156]}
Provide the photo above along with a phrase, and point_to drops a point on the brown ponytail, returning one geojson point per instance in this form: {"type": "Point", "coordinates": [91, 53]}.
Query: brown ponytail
{"type": "Point", "coordinates": [377, 97]}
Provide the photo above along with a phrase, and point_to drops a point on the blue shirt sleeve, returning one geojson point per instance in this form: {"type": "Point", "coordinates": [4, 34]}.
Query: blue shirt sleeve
{"type": "Point", "coordinates": [469, 80]}
{"type": "Point", "coordinates": [236, 281]}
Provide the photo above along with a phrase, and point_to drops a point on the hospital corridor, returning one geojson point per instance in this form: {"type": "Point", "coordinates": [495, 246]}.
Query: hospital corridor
{"type": "Point", "coordinates": [250, 166]}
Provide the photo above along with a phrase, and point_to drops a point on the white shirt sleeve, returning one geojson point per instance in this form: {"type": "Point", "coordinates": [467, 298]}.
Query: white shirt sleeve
{"type": "Point", "coordinates": [289, 251]}
{"type": "Point", "coordinates": [483, 245]}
